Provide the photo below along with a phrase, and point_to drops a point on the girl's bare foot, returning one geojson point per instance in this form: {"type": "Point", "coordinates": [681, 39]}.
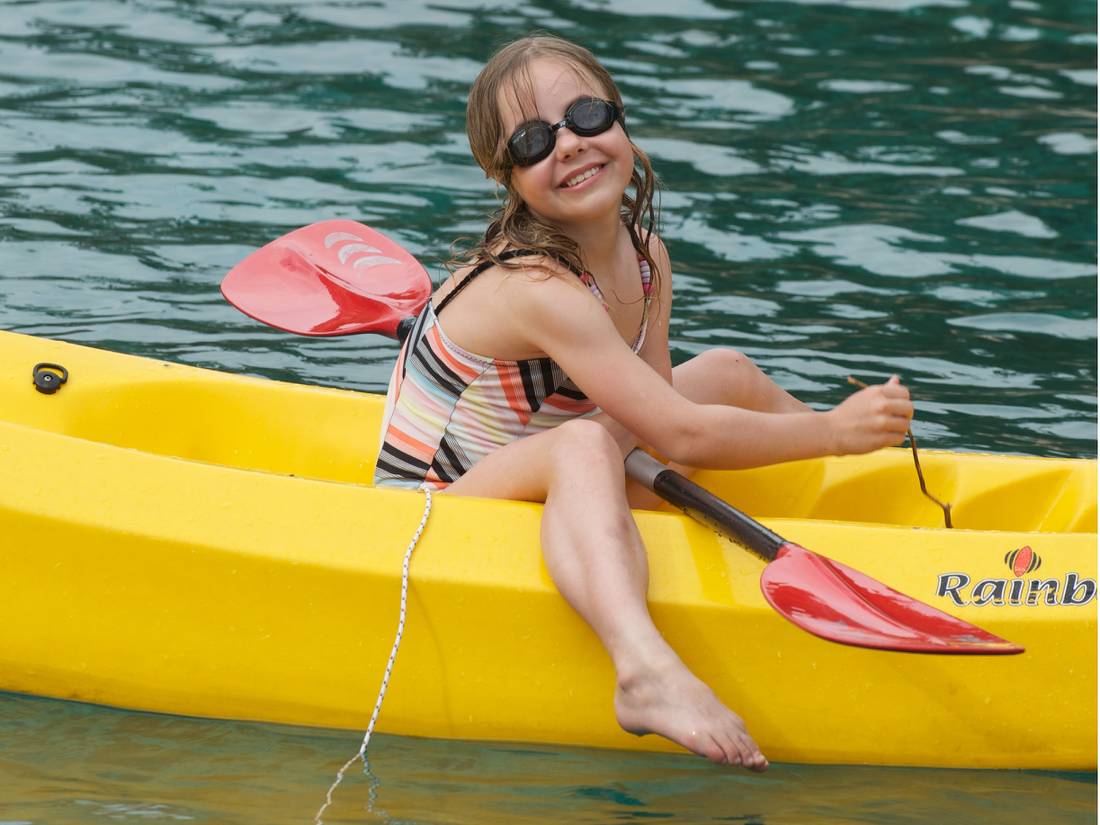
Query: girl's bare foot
{"type": "Point", "coordinates": [673, 703]}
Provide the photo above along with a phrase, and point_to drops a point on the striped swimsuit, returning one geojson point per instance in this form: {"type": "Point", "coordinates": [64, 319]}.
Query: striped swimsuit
{"type": "Point", "coordinates": [447, 408]}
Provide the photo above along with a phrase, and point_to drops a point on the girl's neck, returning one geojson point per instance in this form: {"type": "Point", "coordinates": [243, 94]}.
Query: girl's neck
{"type": "Point", "coordinates": [596, 240]}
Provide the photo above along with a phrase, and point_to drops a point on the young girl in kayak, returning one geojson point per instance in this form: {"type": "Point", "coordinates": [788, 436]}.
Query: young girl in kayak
{"type": "Point", "coordinates": [539, 365]}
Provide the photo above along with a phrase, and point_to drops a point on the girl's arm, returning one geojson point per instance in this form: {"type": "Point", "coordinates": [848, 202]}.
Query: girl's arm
{"type": "Point", "coordinates": [655, 350]}
{"type": "Point", "coordinates": [558, 316]}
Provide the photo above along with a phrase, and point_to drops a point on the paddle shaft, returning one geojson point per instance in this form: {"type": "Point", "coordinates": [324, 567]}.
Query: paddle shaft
{"type": "Point", "coordinates": [703, 506]}
{"type": "Point", "coordinates": [404, 327]}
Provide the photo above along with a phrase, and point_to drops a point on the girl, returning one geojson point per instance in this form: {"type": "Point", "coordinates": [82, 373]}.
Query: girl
{"type": "Point", "coordinates": [537, 367]}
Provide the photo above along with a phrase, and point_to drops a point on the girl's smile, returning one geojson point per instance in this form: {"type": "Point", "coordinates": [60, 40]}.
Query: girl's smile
{"type": "Point", "coordinates": [582, 176]}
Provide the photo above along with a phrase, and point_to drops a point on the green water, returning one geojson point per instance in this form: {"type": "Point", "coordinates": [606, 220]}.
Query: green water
{"type": "Point", "coordinates": [63, 763]}
{"type": "Point", "coordinates": [862, 187]}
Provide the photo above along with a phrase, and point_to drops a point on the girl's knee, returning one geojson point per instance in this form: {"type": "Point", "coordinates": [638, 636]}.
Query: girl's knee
{"type": "Point", "coordinates": [719, 376]}
{"type": "Point", "coordinates": [723, 360]}
{"type": "Point", "coordinates": [588, 442]}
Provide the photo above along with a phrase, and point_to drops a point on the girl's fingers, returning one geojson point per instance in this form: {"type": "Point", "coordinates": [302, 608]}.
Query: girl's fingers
{"type": "Point", "coordinates": [901, 408]}
{"type": "Point", "coordinates": [901, 417]}
{"type": "Point", "coordinates": [894, 429]}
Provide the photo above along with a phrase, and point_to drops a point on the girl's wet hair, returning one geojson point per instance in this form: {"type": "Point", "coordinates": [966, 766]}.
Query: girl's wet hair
{"type": "Point", "coordinates": [514, 226]}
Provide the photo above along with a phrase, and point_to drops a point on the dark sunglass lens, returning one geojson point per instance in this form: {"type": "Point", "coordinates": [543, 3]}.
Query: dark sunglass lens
{"type": "Point", "coordinates": [530, 144]}
{"type": "Point", "coordinates": [590, 117]}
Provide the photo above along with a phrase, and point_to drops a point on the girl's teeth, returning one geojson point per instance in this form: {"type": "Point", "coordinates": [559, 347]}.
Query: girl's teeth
{"type": "Point", "coordinates": [582, 177]}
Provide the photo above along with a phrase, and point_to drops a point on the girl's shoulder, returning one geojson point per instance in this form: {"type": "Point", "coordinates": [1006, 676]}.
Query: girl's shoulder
{"type": "Point", "coordinates": [530, 267]}
{"type": "Point", "coordinates": [508, 313]}
{"type": "Point", "coordinates": [518, 288]}
{"type": "Point", "coordinates": [655, 246]}
{"type": "Point", "coordinates": [540, 280]}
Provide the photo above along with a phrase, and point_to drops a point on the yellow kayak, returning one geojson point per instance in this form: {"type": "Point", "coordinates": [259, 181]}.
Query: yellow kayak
{"type": "Point", "coordinates": [192, 542]}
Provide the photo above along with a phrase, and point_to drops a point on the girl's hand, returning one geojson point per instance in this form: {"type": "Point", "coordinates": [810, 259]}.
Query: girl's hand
{"type": "Point", "coordinates": [874, 417]}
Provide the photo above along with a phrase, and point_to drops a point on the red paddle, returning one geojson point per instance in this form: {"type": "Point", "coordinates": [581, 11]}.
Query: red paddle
{"type": "Point", "coordinates": [341, 278]}
{"type": "Point", "coordinates": [822, 596]}
{"type": "Point", "coordinates": [330, 278]}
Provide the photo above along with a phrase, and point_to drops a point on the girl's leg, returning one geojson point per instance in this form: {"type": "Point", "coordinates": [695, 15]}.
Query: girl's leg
{"type": "Point", "coordinates": [725, 376]}
{"type": "Point", "coordinates": [596, 557]}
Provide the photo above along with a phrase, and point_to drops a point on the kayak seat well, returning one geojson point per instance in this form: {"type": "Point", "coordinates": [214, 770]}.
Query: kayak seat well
{"type": "Point", "coordinates": [1056, 501]}
{"type": "Point", "coordinates": [253, 425]}
{"type": "Point", "coordinates": [1012, 493]}
{"type": "Point", "coordinates": [879, 488]}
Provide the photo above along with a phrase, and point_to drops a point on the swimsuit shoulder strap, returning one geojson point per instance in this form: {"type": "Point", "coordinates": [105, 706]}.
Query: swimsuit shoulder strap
{"type": "Point", "coordinates": [477, 270]}
{"type": "Point", "coordinates": [413, 339]}
{"type": "Point", "coordinates": [647, 276]}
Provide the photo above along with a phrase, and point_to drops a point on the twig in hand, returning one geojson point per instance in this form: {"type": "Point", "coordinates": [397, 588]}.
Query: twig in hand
{"type": "Point", "coordinates": [916, 463]}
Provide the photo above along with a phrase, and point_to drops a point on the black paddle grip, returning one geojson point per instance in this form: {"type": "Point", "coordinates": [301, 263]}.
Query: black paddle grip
{"type": "Point", "coordinates": [723, 518]}
{"type": "Point", "coordinates": [404, 327]}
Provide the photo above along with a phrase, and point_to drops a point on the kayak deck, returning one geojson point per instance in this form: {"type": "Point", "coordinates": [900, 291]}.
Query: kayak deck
{"type": "Point", "coordinates": [146, 570]}
{"type": "Point", "coordinates": [331, 435]}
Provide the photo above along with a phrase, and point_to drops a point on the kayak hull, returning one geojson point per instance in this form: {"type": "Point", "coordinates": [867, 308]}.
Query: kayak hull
{"type": "Point", "coordinates": [156, 575]}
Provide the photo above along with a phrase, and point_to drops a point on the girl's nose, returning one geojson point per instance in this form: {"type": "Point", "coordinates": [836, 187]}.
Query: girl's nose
{"type": "Point", "coordinates": [568, 143]}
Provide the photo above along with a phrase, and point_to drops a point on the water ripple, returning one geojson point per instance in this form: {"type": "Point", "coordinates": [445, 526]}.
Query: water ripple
{"type": "Point", "coordinates": [869, 186]}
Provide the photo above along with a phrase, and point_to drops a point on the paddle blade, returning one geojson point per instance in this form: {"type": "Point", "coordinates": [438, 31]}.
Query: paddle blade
{"type": "Point", "coordinates": [835, 602]}
{"type": "Point", "coordinates": [335, 277]}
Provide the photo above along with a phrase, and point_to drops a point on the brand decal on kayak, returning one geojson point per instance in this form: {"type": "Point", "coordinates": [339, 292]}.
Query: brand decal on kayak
{"type": "Point", "coordinates": [1072, 590]}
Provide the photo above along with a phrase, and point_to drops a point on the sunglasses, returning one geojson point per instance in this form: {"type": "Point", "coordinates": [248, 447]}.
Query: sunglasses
{"type": "Point", "coordinates": [535, 139]}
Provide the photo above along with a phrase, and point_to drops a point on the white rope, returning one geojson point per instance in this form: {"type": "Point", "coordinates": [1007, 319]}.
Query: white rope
{"type": "Point", "coordinates": [362, 753]}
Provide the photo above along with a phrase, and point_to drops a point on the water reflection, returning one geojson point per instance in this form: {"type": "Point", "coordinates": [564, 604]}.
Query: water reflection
{"type": "Point", "coordinates": [65, 764]}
